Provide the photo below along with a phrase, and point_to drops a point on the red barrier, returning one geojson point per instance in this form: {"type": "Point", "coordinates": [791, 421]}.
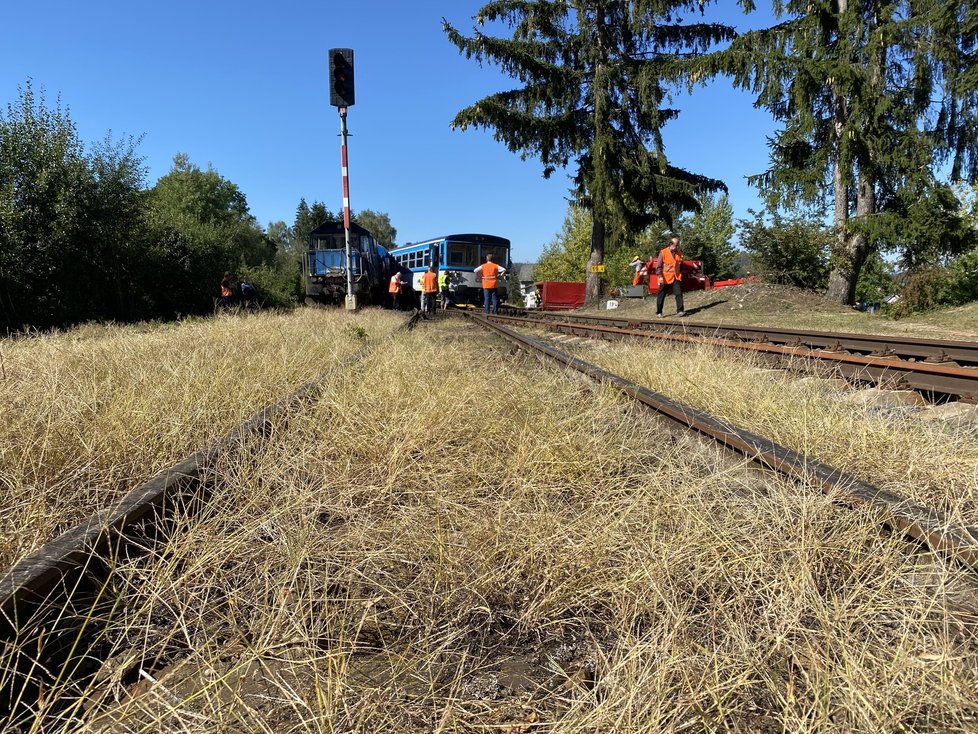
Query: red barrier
{"type": "Point", "coordinates": [558, 295]}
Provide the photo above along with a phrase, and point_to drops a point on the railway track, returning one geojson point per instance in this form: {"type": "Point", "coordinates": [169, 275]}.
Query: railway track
{"type": "Point", "coordinates": [939, 370]}
{"type": "Point", "coordinates": [47, 599]}
{"type": "Point", "coordinates": [923, 523]}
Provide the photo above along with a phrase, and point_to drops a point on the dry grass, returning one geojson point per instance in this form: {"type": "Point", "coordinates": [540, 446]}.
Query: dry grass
{"type": "Point", "coordinates": [90, 413]}
{"type": "Point", "coordinates": [501, 548]}
{"type": "Point", "coordinates": [925, 460]}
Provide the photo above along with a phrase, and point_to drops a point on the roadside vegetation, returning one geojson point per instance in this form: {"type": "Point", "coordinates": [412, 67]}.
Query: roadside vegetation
{"type": "Point", "coordinates": [509, 547]}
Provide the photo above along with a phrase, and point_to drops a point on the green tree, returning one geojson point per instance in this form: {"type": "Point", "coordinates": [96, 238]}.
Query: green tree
{"type": "Point", "coordinates": [379, 225]}
{"type": "Point", "coordinates": [565, 258]}
{"type": "Point", "coordinates": [201, 227]}
{"type": "Point", "coordinates": [853, 82]}
{"type": "Point", "coordinates": [118, 274]}
{"type": "Point", "coordinates": [280, 233]}
{"type": "Point", "coordinates": [595, 77]}
{"type": "Point", "coordinates": [307, 218]}
{"type": "Point", "coordinates": [793, 250]}
{"type": "Point", "coordinates": [875, 280]}
{"type": "Point", "coordinates": [45, 185]}
{"type": "Point", "coordinates": [706, 235]}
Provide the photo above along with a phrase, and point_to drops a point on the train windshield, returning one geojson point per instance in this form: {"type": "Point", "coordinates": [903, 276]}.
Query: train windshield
{"type": "Point", "coordinates": [462, 255]}
{"type": "Point", "coordinates": [500, 254]}
{"type": "Point", "coordinates": [338, 242]}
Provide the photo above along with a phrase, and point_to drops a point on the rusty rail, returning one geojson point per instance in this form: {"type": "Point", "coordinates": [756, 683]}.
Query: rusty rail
{"type": "Point", "coordinates": [919, 521]}
{"type": "Point", "coordinates": [934, 379]}
{"type": "Point", "coordinates": [936, 351]}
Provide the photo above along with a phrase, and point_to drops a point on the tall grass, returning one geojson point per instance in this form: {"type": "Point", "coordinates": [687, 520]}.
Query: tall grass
{"type": "Point", "coordinates": [457, 539]}
{"type": "Point", "coordinates": [89, 413]}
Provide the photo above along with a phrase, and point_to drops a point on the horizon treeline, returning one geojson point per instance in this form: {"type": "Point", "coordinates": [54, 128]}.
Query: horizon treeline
{"type": "Point", "coordinates": [84, 238]}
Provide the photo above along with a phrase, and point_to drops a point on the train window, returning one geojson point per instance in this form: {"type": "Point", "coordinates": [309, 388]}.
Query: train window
{"type": "Point", "coordinates": [464, 255]}
{"type": "Point", "coordinates": [500, 254]}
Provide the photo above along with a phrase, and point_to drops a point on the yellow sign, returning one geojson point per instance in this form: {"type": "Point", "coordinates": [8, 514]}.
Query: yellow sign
{"type": "Point", "coordinates": [597, 268]}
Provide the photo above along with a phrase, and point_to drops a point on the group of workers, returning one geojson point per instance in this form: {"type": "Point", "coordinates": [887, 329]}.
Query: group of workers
{"type": "Point", "coordinates": [433, 283]}
{"type": "Point", "coordinates": [667, 268]}
{"type": "Point", "coordinates": [245, 289]}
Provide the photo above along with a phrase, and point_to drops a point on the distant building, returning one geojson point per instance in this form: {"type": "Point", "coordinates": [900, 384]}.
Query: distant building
{"type": "Point", "coordinates": [523, 272]}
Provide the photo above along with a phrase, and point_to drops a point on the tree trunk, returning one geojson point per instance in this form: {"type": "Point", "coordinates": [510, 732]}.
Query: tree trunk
{"type": "Point", "coordinates": [853, 247]}
{"type": "Point", "coordinates": [592, 288]}
{"type": "Point", "coordinates": [838, 282]}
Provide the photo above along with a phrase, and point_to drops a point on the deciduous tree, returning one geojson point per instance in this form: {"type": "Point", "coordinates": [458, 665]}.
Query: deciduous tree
{"type": "Point", "coordinates": [706, 235]}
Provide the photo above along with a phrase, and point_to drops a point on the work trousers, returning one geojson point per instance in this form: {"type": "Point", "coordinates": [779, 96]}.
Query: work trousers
{"type": "Point", "coordinates": [677, 291]}
{"type": "Point", "coordinates": [489, 296]}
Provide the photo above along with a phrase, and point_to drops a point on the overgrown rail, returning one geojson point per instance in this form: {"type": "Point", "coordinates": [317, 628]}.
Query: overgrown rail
{"type": "Point", "coordinates": [919, 521]}
{"type": "Point", "coordinates": [931, 367]}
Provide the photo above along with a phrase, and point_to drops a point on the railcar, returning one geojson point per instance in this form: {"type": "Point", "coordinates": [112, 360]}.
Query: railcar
{"type": "Point", "coordinates": [458, 255]}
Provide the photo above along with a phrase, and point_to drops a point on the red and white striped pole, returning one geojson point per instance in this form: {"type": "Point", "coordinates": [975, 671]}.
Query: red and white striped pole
{"type": "Point", "coordinates": [351, 299]}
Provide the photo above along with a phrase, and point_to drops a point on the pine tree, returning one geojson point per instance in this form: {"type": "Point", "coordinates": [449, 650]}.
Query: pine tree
{"type": "Point", "coordinates": [595, 75]}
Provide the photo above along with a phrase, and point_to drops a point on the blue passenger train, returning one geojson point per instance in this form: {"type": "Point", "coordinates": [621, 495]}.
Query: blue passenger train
{"type": "Point", "coordinates": [458, 255]}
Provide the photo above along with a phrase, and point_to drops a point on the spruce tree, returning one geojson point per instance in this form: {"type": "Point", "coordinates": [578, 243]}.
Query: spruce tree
{"type": "Point", "coordinates": [852, 81]}
{"type": "Point", "coordinates": [595, 76]}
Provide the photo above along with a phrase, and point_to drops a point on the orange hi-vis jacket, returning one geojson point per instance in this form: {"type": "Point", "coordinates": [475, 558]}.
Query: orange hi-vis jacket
{"type": "Point", "coordinates": [429, 282]}
{"type": "Point", "coordinates": [669, 265]}
{"type": "Point", "coordinates": [490, 275]}
{"type": "Point", "coordinates": [395, 284]}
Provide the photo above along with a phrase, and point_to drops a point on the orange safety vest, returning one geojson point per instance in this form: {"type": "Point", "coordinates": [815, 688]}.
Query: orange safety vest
{"type": "Point", "coordinates": [429, 282]}
{"type": "Point", "coordinates": [671, 265]}
{"type": "Point", "coordinates": [490, 275]}
{"type": "Point", "coordinates": [395, 284]}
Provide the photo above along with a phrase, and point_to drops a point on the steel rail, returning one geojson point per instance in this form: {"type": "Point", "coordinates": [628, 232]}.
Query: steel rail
{"type": "Point", "coordinates": [917, 520]}
{"type": "Point", "coordinates": [47, 598]}
{"type": "Point", "coordinates": [939, 351]}
{"type": "Point", "coordinates": [932, 379]}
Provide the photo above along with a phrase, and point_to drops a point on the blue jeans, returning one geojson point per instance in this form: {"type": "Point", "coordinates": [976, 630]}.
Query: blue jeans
{"type": "Point", "coordinates": [489, 295]}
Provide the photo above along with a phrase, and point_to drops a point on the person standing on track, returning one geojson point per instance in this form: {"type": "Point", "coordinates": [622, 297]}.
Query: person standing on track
{"type": "Point", "coordinates": [668, 268]}
{"type": "Point", "coordinates": [429, 290]}
{"type": "Point", "coordinates": [446, 294]}
{"type": "Point", "coordinates": [395, 290]}
{"type": "Point", "coordinates": [490, 273]}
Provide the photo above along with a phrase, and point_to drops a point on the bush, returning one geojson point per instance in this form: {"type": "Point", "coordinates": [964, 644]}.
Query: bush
{"type": "Point", "coordinates": [279, 285]}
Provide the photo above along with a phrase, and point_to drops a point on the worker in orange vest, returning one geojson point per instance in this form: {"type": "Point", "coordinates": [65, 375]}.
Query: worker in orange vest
{"type": "Point", "coordinates": [429, 290]}
{"type": "Point", "coordinates": [668, 268]}
{"type": "Point", "coordinates": [490, 273]}
{"type": "Point", "coordinates": [227, 295]}
{"type": "Point", "coordinates": [395, 290]}
{"type": "Point", "coordinates": [639, 265]}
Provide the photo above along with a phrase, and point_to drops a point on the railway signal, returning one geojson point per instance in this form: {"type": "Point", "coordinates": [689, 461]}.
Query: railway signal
{"type": "Point", "coordinates": [341, 89]}
{"type": "Point", "coordinates": [341, 95]}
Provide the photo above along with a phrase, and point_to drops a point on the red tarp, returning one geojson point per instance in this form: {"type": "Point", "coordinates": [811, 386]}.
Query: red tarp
{"type": "Point", "coordinates": [559, 296]}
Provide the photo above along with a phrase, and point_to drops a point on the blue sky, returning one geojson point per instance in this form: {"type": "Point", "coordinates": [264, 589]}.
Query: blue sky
{"type": "Point", "coordinates": [243, 87]}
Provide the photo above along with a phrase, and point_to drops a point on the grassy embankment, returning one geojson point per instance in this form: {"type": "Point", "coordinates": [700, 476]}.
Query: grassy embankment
{"type": "Point", "coordinates": [762, 304]}
{"type": "Point", "coordinates": [441, 549]}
